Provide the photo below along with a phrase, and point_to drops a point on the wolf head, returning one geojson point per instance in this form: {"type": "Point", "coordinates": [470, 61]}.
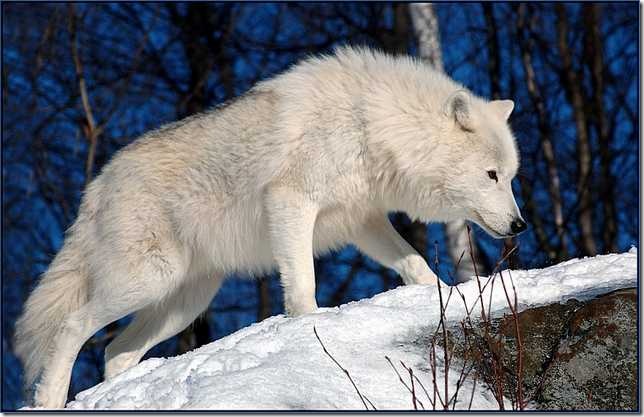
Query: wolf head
{"type": "Point", "coordinates": [477, 178]}
{"type": "Point", "coordinates": [437, 151]}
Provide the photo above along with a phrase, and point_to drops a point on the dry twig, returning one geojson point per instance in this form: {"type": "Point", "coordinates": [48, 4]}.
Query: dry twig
{"type": "Point", "coordinates": [363, 398]}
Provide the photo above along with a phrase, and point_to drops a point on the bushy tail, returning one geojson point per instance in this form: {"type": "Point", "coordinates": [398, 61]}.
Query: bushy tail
{"type": "Point", "coordinates": [61, 290]}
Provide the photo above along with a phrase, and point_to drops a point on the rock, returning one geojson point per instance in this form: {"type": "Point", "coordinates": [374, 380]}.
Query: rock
{"type": "Point", "coordinates": [540, 330]}
{"type": "Point", "coordinates": [595, 365]}
{"type": "Point", "coordinates": [576, 356]}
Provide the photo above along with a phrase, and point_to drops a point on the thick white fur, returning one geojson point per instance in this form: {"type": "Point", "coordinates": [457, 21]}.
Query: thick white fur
{"type": "Point", "coordinates": [305, 162]}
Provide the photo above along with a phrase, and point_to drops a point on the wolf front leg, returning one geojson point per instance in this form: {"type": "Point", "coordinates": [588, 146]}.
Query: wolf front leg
{"type": "Point", "coordinates": [291, 220]}
{"type": "Point", "coordinates": [379, 240]}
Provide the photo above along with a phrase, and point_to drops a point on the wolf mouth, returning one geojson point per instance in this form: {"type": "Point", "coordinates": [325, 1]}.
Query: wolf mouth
{"type": "Point", "coordinates": [479, 220]}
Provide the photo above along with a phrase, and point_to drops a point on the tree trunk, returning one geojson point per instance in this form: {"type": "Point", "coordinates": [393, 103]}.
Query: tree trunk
{"type": "Point", "coordinates": [264, 295]}
{"type": "Point", "coordinates": [545, 134]}
{"type": "Point", "coordinates": [594, 54]}
{"type": "Point", "coordinates": [573, 88]}
{"type": "Point", "coordinates": [427, 35]}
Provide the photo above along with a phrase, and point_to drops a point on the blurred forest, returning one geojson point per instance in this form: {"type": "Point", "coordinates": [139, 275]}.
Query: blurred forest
{"type": "Point", "coordinates": [80, 81]}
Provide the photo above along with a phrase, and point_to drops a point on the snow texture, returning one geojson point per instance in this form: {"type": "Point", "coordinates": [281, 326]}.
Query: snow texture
{"type": "Point", "coordinates": [279, 364]}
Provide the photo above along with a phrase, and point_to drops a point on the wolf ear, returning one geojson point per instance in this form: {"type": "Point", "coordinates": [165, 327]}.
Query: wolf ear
{"type": "Point", "coordinates": [459, 107]}
{"type": "Point", "coordinates": [502, 107]}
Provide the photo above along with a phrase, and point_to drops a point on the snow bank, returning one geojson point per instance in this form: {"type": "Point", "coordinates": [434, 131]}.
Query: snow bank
{"type": "Point", "coordinates": [279, 364]}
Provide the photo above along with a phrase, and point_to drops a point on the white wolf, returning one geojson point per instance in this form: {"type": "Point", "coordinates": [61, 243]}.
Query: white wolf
{"type": "Point", "coordinates": [310, 160]}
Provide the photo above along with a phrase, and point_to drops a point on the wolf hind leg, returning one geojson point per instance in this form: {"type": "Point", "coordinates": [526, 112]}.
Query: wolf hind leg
{"type": "Point", "coordinates": [159, 322]}
{"type": "Point", "coordinates": [77, 327]}
{"type": "Point", "coordinates": [119, 287]}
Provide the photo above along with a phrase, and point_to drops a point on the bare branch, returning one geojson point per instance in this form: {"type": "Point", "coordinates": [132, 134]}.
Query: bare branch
{"type": "Point", "coordinates": [363, 398]}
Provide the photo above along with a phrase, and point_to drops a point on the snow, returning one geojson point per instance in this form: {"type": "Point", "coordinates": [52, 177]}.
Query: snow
{"type": "Point", "coordinates": [279, 364]}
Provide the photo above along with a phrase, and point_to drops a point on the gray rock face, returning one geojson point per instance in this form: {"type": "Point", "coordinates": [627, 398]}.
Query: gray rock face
{"type": "Point", "coordinates": [595, 364]}
{"type": "Point", "coordinates": [576, 356]}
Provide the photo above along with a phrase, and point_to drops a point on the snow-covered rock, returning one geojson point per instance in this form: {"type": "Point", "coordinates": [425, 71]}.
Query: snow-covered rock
{"type": "Point", "coordinates": [279, 364]}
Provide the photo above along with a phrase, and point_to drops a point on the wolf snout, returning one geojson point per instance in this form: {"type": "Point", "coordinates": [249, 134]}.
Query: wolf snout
{"type": "Point", "coordinates": [518, 226]}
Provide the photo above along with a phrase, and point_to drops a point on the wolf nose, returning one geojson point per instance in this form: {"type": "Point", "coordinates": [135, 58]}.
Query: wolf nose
{"type": "Point", "coordinates": [518, 226]}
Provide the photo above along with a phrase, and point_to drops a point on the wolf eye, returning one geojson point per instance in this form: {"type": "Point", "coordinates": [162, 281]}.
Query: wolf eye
{"type": "Point", "coordinates": [492, 175]}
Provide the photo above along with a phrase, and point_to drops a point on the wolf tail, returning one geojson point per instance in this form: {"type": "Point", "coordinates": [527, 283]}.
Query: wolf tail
{"type": "Point", "coordinates": [62, 289]}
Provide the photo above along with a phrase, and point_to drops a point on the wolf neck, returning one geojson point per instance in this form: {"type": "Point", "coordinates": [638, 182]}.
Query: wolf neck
{"type": "Point", "coordinates": [397, 186]}
{"type": "Point", "coordinates": [407, 150]}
